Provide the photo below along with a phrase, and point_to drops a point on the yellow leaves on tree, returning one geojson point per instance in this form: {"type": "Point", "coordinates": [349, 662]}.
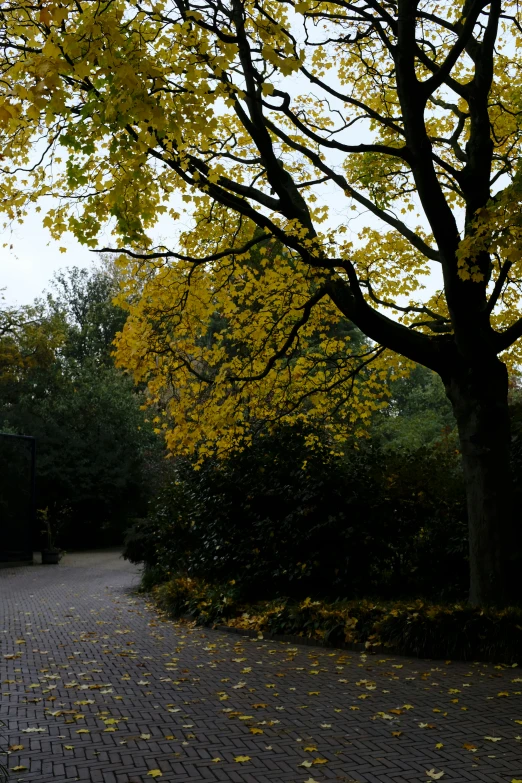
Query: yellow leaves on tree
{"type": "Point", "coordinates": [363, 149]}
{"type": "Point", "coordinates": [247, 347]}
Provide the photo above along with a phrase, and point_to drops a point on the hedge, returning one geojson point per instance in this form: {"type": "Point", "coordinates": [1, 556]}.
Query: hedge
{"type": "Point", "coordinates": [456, 631]}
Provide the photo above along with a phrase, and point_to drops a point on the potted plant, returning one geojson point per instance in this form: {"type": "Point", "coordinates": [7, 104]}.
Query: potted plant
{"type": "Point", "coordinates": [51, 554]}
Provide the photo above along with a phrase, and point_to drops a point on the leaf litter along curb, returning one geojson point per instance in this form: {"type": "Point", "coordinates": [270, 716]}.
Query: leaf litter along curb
{"type": "Point", "coordinates": [413, 627]}
{"type": "Point", "coordinates": [302, 665]}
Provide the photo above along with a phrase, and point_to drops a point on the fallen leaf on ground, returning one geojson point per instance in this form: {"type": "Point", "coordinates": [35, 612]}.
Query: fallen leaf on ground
{"type": "Point", "coordinates": [434, 775]}
{"type": "Point", "coordinates": [241, 759]}
{"type": "Point", "coordinates": [155, 773]}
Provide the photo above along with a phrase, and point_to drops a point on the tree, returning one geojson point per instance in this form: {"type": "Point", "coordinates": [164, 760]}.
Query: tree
{"type": "Point", "coordinates": [418, 414]}
{"type": "Point", "coordinates": [58, 384]}
{"type": "Point", "coordinates": [92, 448]}
{"type": "Point", "coordinates": [29, 343]}
{"type": "Point", "coordinates": [247, 108]}
{"type": "Point", "coordinates": [85, 298]}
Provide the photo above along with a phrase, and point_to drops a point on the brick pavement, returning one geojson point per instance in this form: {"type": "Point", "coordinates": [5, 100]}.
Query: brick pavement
{"type": "Point", "coordinates": [97, 688]}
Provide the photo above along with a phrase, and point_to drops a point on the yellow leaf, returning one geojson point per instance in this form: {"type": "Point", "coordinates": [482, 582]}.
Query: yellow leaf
{"type": "Point", "coordinates": [434, 775]}
{"type": "Point", "coordinates": [155, 773]}
{"type": "Point", "coordinates": [241, 759]}
{"type": "Point", "coordinates": [45, 16]}
{"type": "Point", "coordinates": [18, 769]}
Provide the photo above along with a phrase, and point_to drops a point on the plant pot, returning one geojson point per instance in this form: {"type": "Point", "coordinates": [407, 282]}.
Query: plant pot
{"type": "Point", "coordinates": [51, 556]}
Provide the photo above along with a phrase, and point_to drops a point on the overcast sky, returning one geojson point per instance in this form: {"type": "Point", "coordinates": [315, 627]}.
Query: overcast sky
{"type": "Point", "coordinates": [26, 269]}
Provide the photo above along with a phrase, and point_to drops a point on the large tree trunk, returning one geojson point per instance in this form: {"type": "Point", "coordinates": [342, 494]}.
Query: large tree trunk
{"type": "Point", "coordinates": [480, 402]}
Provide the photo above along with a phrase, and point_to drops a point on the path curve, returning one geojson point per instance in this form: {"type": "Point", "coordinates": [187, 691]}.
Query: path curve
{"type": "Point", "coordinates": [96, 688]}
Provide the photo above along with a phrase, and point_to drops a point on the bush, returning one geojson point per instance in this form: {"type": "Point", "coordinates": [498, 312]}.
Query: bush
{"type": "Point", "coordinates": [365, 523]}
{"type": "Point", "coordinates": [415, 628]}
{"type": "Point", "coordinates": [183, 596]}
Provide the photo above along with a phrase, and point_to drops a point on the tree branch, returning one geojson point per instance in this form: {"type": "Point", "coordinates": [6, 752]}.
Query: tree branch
{"type": "Point", "coordinates": [231, 251]}
{"type": "Point", "coordinates": [472, 12]}
{"type": "Point", "coordinates": [343, 183]}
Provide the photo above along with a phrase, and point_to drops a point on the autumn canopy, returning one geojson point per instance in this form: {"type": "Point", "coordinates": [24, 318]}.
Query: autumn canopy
{"type": "Point", "coordinates": [329, 156]}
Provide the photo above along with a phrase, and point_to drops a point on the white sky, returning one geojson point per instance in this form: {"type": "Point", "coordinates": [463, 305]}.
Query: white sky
{"type": "Point", "coordinates": [26, 269]}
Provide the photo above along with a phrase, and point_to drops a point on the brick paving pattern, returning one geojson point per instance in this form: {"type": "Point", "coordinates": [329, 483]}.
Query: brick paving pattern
{"type": "Point", "coordinates": [95, 687]}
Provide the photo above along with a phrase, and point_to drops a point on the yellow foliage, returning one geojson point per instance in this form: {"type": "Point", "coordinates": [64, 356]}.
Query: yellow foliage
{"type": "Point", "coordinates": [240, 117]}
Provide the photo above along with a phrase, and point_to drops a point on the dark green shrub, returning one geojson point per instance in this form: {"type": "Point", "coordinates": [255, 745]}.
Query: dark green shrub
{"type": "Point", "coordinates": [182, 596]}
{"type": "Point", "coordinates": [426, 630]}
{"type": "Point", "coordinates": [460, 632]}
{"type": "Point", "coordinates": [365, 523]}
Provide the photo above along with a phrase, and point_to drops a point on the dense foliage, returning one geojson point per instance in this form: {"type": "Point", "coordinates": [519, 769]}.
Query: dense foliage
{"type": "Point", "coordinates": [409, 628]}
{"type": "Point", "coordinates": [371, 140]}
{"type": "Point", "coordinates": [95, 450]}
{"type": "Point", "coordinates": [371, 521]}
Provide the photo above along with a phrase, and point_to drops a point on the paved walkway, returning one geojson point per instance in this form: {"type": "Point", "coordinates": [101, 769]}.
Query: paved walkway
{"type": "Point", "coordinates": [96, 688]}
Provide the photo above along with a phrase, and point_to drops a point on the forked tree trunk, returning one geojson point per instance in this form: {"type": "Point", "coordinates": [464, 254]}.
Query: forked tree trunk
{"type": "Point", "coordinates": [480, 404]}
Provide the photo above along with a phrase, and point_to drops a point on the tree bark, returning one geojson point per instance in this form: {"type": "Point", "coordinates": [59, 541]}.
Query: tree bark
{"type": "Point", "coordinates": [479, 397]}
